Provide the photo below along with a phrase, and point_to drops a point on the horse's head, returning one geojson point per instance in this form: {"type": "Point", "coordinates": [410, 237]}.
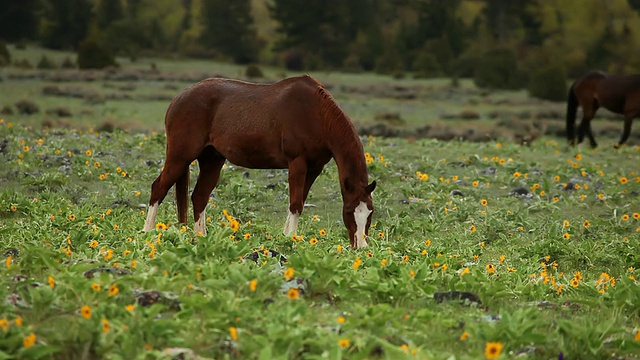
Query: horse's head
{"type": "Point", "coordinates": [356, 213]}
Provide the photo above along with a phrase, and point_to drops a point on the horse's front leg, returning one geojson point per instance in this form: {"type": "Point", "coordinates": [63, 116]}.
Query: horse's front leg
{"type": "Point", "coordinates": [592, 139]}
{"type": "Point", "coordinates": [581, 130]}
{"type": "Point", "coordinates": [626, 130]}
{"type": "Point", "coordinates": [171, 173]}
{"type": "Point", "coordinates": [297, 179]}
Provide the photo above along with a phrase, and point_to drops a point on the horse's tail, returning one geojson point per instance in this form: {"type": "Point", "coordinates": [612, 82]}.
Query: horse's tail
{"type": "Point", "coordinates": [182, 191]}
{"type": "Point", "coordinates": [572, 109]}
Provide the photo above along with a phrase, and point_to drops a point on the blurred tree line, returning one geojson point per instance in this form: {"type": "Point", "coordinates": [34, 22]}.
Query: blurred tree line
{"type": "Point", "coordinates": [500, 43]}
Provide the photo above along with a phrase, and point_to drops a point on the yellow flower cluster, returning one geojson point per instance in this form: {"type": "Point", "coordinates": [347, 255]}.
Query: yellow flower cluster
{"type": "Point", "coordinates": [368, 158]}
{"type": "Point", "coordinates": [604, 281]}
{"type": "Point", "coordinates": [356, 263]}
{"type": "Point", "coordinates": [422, 176]}
{"type": "Point", "coordinates": [288, 274]}
{"type": "Point", "coordinates": [234, 224]}
{"type": "Point", "coordinates": [577, 277]}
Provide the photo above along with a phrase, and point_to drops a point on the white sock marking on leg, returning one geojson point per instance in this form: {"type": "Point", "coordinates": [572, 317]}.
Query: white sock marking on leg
{"type": "Point", "coordinates": [360, 215]}
{"type": "Point", "coordinates": [150, 224]}
{"type": "Point", "coordinates": [291, 226]}
{"type": "Point", "coordinates": [201, 225]}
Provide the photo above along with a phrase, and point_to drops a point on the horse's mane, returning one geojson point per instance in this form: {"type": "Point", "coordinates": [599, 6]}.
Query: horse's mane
{"type": "Point", "coordinates": [347, 146]}
{"type": "Point", "coordinates": [333, 114]}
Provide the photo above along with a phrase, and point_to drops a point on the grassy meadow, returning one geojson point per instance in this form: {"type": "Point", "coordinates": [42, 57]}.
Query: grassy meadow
{"type": "Point", "coordinates": [477, 249]}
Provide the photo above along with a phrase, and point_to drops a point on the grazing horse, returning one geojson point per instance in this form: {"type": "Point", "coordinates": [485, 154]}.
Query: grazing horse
{"type": "Point", "coordinates": [293, 123]}
{"type": "Point", "coordinates": [619, 94]}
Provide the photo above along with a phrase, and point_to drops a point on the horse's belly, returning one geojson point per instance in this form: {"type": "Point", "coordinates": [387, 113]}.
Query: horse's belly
{"type": "Point", "coordinates": [257, 161]}
{"type": "Point", "coordinates": [615, 105]}
{"type": "Point", "coordinates": [254, 157]}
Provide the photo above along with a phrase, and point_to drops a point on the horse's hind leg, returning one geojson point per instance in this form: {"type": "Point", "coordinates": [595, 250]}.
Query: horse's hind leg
{"type": "Point", "coordinates": [172, 172]}
{"type": "Point", "coordinates": [297, 180]}
{"type": "Point", "coordinates": [585, 124]}
{"type": "Point", "coordinates": [582, 128]}
{"type": "Point", "coordinates": [210, 163]}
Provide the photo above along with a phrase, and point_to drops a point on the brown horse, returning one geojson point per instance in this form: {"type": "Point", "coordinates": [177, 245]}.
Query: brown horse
{"type": "Point", "coordinates": [619, 94]}
{"type": "Point", "coordinates": [294, 123]}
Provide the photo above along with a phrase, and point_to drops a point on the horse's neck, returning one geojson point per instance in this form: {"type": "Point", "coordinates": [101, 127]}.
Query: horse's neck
{"type": "Point", "coordinates": [351, 164]}
{"type": "Point", "coordinates": [344, 144]}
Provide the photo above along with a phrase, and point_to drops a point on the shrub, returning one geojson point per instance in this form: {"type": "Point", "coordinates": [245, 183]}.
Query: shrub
{"type": "Point", "coordinates": [390, 117]}
{"type": "Point", "coordinates": [441, 51]}
{"type": "Point", "coordinates": [293, 60]}
{"type": "Point", "coordinates": [426, 65]}
{"type": "Point", "coordinates": [313, 62]}
{"type": "Point", "coordinates": [93, 55]}
{"type": "Point", "coordinates": [497, 69]}
{"type": "Point", "coordinates": [5, 55]}
{"type": "Point", "coordinates": [389, 63]}
{"type": "Point", "coordinates": [60, 111]}
{"type": "Point", "coordinates": [107, 125]}
{"type": "Point", "coordinates": [253, 71]}
{"type": "Point", "coordinates": [6, 110]}
{"type": "Point", "coordinates": [398, 74]}
{"type": "Point", "coordinates": [464, 66]}
{"type": "Point", "coordinates": [27, 107]}
{"type": "Point", "coordinates": [549, 83]}
{"type": "Point", "coordinates": [352, 64]}
{"type": "Point", "coordinates": [23, 64]}
{"type": "Point", "coordinates": [67, 64]}
{"type": "Point", "coordinates": [45, 63]}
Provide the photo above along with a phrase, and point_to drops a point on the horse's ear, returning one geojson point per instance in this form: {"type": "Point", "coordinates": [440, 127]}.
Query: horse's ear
{"type": "Point", "coordinates": [369, 188]}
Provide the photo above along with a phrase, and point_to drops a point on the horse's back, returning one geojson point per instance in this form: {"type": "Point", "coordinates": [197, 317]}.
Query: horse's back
{"type": "Point", "coordinates": [235, 94]}
{"type": "Point", "coordinates": [590, 79]}
{"type": "Point", "coordinates": [242, 120]}
{"type": "Point", "coordinates": [612, 92]}
{"type": "Point", "coordinates": [610, 83]}
{"type": "Point", "coordinates": [627, 84]}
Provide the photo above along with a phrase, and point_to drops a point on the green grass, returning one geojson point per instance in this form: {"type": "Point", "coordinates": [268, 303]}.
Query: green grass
{"type": "Point", "coordinates": [73, 201]}
{"type": "Point", "coordinates": [62, 220]}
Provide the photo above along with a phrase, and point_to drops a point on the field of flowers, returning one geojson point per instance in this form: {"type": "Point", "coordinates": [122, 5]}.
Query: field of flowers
{"type": "Point", "coordinates": [478, 250]}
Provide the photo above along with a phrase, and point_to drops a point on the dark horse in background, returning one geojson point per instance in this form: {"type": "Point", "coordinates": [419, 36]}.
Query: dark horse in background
{"type": "Point", "coordinates": [293, 123]}
{"type": "Point", "coordinates": [618, 94]}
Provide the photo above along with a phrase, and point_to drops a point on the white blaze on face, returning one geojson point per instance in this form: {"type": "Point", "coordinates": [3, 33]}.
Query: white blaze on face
{"type": "Point", "coordinates": [151, 218]}
{"type": "Point", "coordinates": [200, 226]}
{"type": "Point", "coordinates": [291, 226]}
{"type": "Point", "coordinates": [361, 214]}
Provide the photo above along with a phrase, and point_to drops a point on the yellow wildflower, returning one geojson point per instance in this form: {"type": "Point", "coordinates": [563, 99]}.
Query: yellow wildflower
{"type": "Point", "coordinates": [233, 331]}
{"type": "Point", "coordinates": [492, 350]}
{"type": "Point", "coordinates": [85, 311]}
{"type": "Point", "coordinates": [293, 293]}
{"type": "Point", "coordinates": [29, 340]}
